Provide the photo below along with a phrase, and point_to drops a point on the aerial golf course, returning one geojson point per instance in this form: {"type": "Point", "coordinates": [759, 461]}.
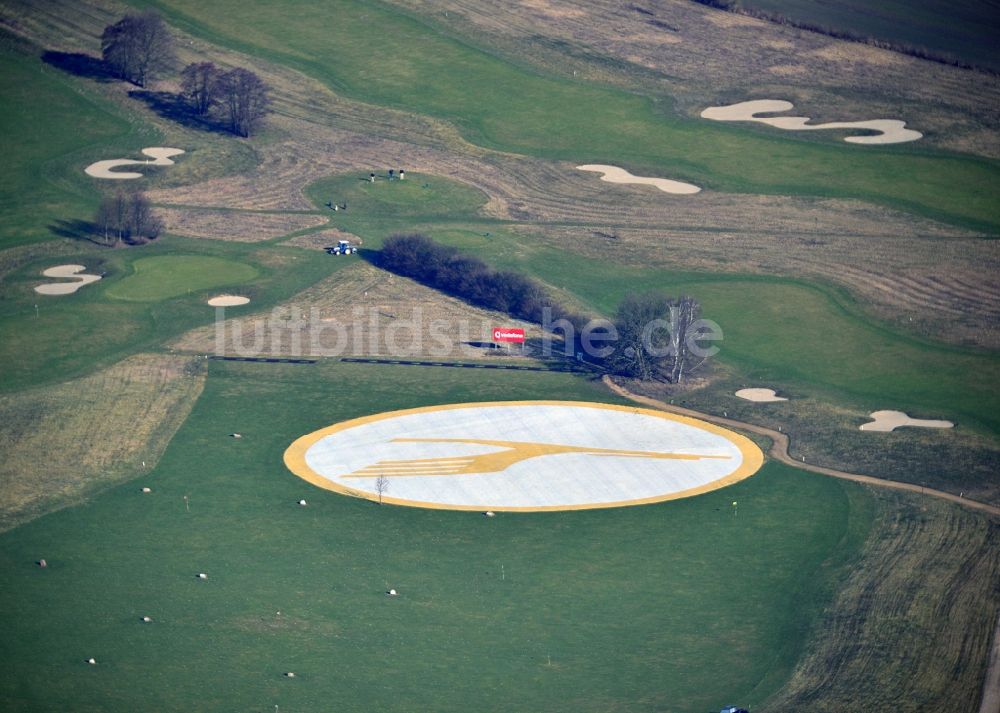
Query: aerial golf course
{"type": "Point", "coordinates": [652, 562]}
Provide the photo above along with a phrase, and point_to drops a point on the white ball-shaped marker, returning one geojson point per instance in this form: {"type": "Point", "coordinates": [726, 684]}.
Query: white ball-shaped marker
{"type": "Point", "coordinates": [147, 490]}
{"type": "Point", "coordinates": [202, 575]}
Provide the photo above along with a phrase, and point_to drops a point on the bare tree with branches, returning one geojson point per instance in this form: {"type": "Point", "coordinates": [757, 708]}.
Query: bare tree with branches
{"type": "Point", "coordinates": [656, 337]}
{"type": "Point", "coordinates": [137, 47]}
{"type": "Point", "coordinates": [381, 487]}
{"type": "Point", "coordinates": [198, 85]}
{"type": "Point", "coordinates": [127, 217]}
{"type": "Point", "coordinates": [244, 97]}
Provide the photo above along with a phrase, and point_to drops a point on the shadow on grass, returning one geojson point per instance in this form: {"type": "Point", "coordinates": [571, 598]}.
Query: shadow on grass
{"type": "Point", "coordinates": [79, 64]}
{"type": "Point", "coordinates": [173, 107]}
{"type": "Point", "coordinates": [76, 229]}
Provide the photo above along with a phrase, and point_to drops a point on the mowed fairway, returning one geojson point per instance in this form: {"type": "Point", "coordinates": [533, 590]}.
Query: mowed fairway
{"type": "Point", "coordinates": [159, 278]}
{"type": "Point", "coordinates": [379, 55]}
{"type": "Point", "coordinates": [675, 606]}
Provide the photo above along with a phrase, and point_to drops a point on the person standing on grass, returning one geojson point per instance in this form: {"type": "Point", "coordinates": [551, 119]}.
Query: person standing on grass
{"type": "Point", "coordinates": [371, 177]}
{"type": "Point", "coordinates": [402, 174]}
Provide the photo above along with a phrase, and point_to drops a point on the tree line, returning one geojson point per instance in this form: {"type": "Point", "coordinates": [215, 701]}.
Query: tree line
{"type": "Point", "coordinates": [651, 336]}
{"type": "Point", "coordinates": [138, 48]}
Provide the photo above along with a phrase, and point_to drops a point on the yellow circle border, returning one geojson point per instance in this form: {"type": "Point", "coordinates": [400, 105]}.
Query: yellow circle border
{"type": "Point", "coordinates": [295, 457]}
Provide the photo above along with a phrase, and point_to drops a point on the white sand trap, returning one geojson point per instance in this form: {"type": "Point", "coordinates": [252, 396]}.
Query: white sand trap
{"type": "Point", "coordinates": [524, 456]}
{"type": "Point", "coordinates": [891, 420]}
{"type": "Point", "coordinates": [614, 174]}
{"type": "Point", "coordinates": [66, 288]}
{"type": "Point", "coordinates": [105, 169]}
{"type": "Point", "coordinates": [893, 131]}
{"type": "Point", "coordinates": [760, 395]}
{"type": "Point", "coordinates": [228, 301]}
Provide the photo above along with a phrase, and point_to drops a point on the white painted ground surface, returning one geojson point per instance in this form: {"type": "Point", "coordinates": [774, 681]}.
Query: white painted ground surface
{"type": "Point", "coordinates": [228, 301]}
{"type": "Point", "coordinates": [893, 131]}
{"type": "Point", "coordinates": [760, 395]}
{"type": "Point", "coordinates": [160, 156]}
{"type": "Point", "coordinates": [614, 174]}
{"type": "Point", "coordinates": [66, 288]}
{"type": "Point", "coordinates": [548, 481]}
{"type": "Point", "coordinates": [891, 420]}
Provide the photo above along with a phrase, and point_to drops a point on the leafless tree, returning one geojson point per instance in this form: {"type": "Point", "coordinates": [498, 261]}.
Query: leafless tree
{"type": "Point", "coordinates": [643, 335]}
{"type": "Point", "coordinates": [127, 217]}
{"type": "Point", "coordinates": [244, 98]}
{"type": "Point", "coordinates": [684, 312]}
{"type": "Point", "coordinates": [198, 85]}
{"type": "Point", "coordinates": [656, 336]}
{"type": "Point", "coordinates": [381, 487]}
{"type": "Point", "coordinates": [137, 47]}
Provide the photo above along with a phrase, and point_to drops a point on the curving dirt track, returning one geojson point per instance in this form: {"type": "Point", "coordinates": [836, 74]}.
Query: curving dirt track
{"type": "Point", "coordinates": [779, 451]}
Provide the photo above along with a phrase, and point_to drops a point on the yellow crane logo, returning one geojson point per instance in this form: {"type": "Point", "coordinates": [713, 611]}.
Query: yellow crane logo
{"type": "Point", "coordinates": [513, 452]}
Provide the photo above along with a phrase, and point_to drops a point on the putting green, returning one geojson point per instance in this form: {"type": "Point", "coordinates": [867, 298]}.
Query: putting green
{"type": "Point", "coordinates": [161, 277]}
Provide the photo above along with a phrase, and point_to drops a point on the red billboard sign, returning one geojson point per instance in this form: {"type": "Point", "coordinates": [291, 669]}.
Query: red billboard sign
{"type": "Point", "coordinates": [505, 334]}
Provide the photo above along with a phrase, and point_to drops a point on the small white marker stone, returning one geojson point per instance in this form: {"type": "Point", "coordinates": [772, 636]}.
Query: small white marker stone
{"type": "Point", "coordinates": [91, 661]}
{"type": "Point", "coordinates": [302, 503]}
{"type": "Point", "coordinates": [202, 575]}
{"type": "Point", "coordinates": [147, 490]}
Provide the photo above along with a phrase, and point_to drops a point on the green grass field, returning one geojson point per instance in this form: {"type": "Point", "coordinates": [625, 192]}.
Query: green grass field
{"type": "Point", "coordinates": [38, 186]}
{"type": "Point", "coordinates": [497, 104]}
{"type": "Point", "coordinates": [676, 606]}
{"type": "Point", "coordinates": [158, 278]}
{"type": "Point", "coordinates": [138, 314]}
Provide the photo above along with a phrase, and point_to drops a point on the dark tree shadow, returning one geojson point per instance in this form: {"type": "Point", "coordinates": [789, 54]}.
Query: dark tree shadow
{"type": "Point", "coordinates": [81, 65]}
{"type": "Point", "coordinates": [76, 229]}
{"type": "Point", "coordinates": [172, 106]}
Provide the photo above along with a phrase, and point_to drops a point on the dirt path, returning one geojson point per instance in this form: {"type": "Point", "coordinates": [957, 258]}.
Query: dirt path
{"type": "Point", "coordinates": [991, 686]}
{"type": "Point", "coordinates": [779, 451]}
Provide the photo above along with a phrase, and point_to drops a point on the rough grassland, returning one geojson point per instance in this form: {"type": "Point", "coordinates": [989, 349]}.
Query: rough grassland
{"type": "Point", "coordinates": [647, 608]}
{"type": "Point", "coordinates": [526, 112]}
{"type": "Point", "coordinates": [62, 442]}
{"type": "Point", "coordinates": [911, 629]}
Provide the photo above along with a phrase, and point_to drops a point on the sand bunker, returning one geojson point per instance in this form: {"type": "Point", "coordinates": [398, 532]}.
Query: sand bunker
{"type": "Point", "coordinates": [760, 395]}
{"type": "Point", "coordinates": [892, 131]}
{"type": "Point", "coordinates": [159, 156]}
{"type": "Point", "coordinates": [228, 301]}
{"type": "Point", "coordinates": [66, 288]}
{"type": "Point", "coordinates": [614, 174]}
{"type": "Point", "coordinates": [891, 420]}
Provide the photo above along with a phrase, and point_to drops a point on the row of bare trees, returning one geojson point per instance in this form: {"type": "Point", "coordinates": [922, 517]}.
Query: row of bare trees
{"type": "Point", "coordinates": [139, 48]}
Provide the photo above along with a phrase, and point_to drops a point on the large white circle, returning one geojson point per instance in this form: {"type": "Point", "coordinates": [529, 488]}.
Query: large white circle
{"type": "Point", "coordinates": [535, 455]}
